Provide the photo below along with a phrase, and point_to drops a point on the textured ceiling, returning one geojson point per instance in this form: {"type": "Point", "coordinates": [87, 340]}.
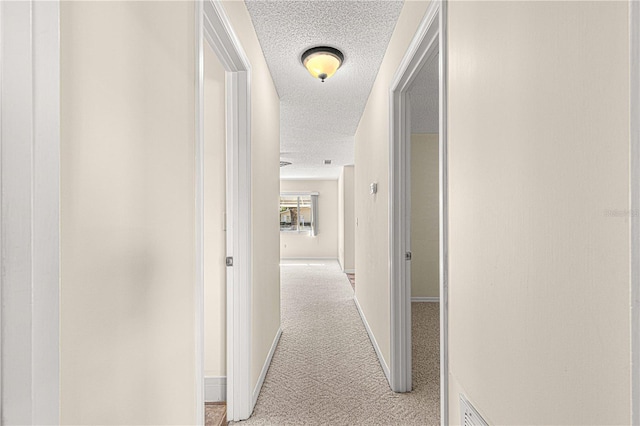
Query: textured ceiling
{"type": "Point", "coordinates": [318, 120]}
{"type": "Point", "coordinates": [423, 96]}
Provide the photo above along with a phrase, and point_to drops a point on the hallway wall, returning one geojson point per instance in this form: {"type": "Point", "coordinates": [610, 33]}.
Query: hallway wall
{"type": "Point", "coordinates": [346, 219]}
{"type": "Point", "coordinates": [127, 213]}
{"type": "Point", "coordinates": [538, 157]}
{"type": "Point", "coordinates": [325, 244]}
{"type": "Point", "coordinates": [538, 154]}
{"type": "Point", "coordinates": [425, 215]}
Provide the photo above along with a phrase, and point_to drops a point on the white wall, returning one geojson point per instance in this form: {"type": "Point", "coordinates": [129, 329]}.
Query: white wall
{"type": "Point", "coordinates": [425, 216]}
{"type": "Point", "coordinates": [127, 213]}
{"type": "Point", "coordinates": [265, 181]}
{"type": "Point", "coordinates": [325, 244]}
{"type": "Point", "coordinates": [346, 219]}
{"type": "Point", "coordinates": [215, 294]}
{"type": "Point", "coordinates": [372, 165]}
{"type": "Point", "coordinates": [538, 151]}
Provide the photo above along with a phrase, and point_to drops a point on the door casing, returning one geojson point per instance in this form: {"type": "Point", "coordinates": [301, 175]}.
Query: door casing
{"type": "Point", "coordinates": [30, 212]}
{"type": "Point", "coordinates": [213, 27]}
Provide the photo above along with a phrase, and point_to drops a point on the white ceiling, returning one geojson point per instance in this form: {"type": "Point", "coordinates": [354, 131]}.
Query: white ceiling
{"type": "Point", "coordinates": [423, 95]}
{"type": "Point", "coordinates": [318, 120]}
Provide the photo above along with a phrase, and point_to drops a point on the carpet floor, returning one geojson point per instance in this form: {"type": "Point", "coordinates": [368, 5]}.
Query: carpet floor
{"type": "Point", "coordinates": [325, 370]}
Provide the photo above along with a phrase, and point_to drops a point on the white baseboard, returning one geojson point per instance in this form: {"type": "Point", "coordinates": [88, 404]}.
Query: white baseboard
{"type": "Point", "coordinates": [383, 364]}
{"type": "Point", "coordinates": [425, 299]}
{"type": "Point", "coordinates": [265, 368]}
{"type": "Point", "coordinates": [349, 271]}
{"type": "Point", "coordinates": [215, 389]}
{"type": "Point", "coordinates": [324, 259]}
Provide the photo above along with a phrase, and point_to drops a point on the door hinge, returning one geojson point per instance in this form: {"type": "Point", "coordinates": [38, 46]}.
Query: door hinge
{"type": "Point", "coordinates": [407, 256]}
{"type": "Point", "coordinates": [229, 261]}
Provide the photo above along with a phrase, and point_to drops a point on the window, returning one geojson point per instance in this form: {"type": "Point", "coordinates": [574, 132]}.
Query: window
{"type": "Point", "coordinates": [299, 213]}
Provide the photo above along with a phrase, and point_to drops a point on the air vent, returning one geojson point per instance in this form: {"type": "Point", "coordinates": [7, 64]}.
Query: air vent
{"type": "Point", "coordinates": [327, 161]}
{"type": "Point", "coordinates": [284, 163]}
{"type": "Point", "coordinates": [469, 416]}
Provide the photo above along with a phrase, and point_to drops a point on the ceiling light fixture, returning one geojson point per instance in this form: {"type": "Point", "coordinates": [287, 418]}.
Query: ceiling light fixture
{"type": "Point", "coordinates": [322, 61]}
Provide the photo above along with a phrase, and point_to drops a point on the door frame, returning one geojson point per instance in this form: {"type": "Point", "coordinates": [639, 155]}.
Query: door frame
{"type": "Point", "coordinates": [430, 39]}
{"type": "Point", "coordinates": [214, 28]}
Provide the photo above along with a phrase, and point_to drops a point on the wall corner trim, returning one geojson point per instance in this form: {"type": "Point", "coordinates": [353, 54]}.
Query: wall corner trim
{"type": "Point", "coordinates": [265, 368]}
{"type": "Point", "coordinates": [374, 343]}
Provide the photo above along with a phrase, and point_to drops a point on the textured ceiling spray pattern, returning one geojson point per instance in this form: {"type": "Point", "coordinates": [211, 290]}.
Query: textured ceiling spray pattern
{"type": "Point", "coordinates": [318, 120]}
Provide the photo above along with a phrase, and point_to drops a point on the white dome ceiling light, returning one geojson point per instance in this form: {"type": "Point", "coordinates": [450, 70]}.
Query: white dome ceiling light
{"type": "Point", "coordinates": [322, 61]}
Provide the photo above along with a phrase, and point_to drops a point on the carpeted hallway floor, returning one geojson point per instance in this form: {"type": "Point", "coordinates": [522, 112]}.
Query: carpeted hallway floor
{"type": "Point", "coordinates": [325, 370]}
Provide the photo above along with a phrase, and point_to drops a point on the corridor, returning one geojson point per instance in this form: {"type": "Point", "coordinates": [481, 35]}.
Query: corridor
{"type": "Point", "coordinates": [325, 370]}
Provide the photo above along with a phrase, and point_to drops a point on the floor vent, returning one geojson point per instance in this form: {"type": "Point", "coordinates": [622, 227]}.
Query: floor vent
{"type": "Point", "coordinates": [469, 416]}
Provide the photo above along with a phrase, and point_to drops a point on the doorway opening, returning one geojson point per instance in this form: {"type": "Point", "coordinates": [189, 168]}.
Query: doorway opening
{"type": "Point", "coordinates": [229, 263]}
{"type": "Point", "coordinates": [424, 232]}
{"type": "Point", "coordinates": [418, 206]}
{"type": "Point", "coordinates": [214, 238]}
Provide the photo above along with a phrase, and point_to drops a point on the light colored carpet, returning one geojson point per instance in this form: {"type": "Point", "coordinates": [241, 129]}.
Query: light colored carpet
{"type": "Point", "coordinates": [325, 370]}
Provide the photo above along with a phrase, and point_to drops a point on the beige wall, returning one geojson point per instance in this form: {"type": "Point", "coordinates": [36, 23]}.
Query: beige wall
{"type": "Point", "coordinates": [265, 181]}
{"type": "Point", "coordinates": [372, 165]}
{"type": "Point", "coordinates": [127, 213]}
{"type": "Point", "coordinates": [346, 219]}
{"type": "Point", "coordinates": [538, 150]}
{"type": "Point", "coordinates": [215, 294]}
{"type": "Point", "coordinates": [425, 216]}
{"type": "Point", "coordinates": [325, 244]}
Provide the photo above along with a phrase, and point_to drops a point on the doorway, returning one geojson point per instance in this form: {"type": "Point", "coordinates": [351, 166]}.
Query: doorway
{"type": "Point", "coordinates": [214, 239]}
{"type": "Point", "coordinates": [213, 31]}
{"type": "Point", "coordinates": [426, 51]}
{"type": "Point", "coordinates": [424, 232]}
